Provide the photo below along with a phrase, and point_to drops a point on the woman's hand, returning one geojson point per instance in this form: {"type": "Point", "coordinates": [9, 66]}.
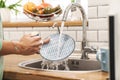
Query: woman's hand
{"type": "Point", "coordinates": [31, 44]}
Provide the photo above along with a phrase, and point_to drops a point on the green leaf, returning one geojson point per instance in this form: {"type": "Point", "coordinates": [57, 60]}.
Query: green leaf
{"type": "Point", "coordinates": [12, 6]}
{"type": "Point", "coordinates": [2, 4]}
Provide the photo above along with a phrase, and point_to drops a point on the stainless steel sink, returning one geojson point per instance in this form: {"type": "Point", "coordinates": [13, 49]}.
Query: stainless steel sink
{"type": "Point", "coordinates": [73, 65]}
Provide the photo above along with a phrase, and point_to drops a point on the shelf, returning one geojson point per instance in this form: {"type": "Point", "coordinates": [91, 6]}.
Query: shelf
{"type": "Point", "coordinates": [39, 24]}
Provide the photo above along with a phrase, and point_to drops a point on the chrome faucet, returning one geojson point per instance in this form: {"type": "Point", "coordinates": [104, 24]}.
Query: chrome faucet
{"type": "Point", "coordinates": [85, 49]}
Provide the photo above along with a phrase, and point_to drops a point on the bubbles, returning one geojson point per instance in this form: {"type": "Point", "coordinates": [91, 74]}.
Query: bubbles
{"type": "Point", "coordinates": [54, 65]}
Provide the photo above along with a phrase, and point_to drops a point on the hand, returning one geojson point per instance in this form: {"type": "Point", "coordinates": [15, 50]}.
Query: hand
{"type": "Point", "coordinates": [31, 44]}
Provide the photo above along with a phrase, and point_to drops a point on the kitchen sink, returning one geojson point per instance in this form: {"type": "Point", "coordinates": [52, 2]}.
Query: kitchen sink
{"type": "Point", "coordinates": [72, 65]}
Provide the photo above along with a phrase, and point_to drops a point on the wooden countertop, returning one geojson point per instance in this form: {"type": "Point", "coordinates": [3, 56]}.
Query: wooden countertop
{"type": "Point", "coordinates": [39, 24]}
{"type": "Point", "coordinates": [13, 72]}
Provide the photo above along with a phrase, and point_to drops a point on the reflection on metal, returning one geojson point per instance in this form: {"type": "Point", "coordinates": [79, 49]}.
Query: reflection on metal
{"type": "Point", "coordinates": [72, 64]}
{"type": "Point", "coordinates": [85, 49]}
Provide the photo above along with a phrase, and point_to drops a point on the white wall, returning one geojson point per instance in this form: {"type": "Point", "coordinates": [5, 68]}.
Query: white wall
{"type": "Point", "coordinates": [115, 10]}
{"type": "Point", "coordinates": [98, 21]}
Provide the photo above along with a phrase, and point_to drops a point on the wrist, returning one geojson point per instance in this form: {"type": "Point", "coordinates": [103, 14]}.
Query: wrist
{"type": "Point", "coordinates": [17, 47]}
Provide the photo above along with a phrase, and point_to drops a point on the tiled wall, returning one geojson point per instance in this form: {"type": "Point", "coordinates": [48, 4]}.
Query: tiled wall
{"type": "Point", "coordinates": [98, 22]}
{"type": "Point", "coordinates": [97, 32]}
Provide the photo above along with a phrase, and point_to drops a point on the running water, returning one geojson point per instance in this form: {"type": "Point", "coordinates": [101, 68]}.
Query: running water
{"type": "Point", "coordinates": [54, 64]}
{"type": "Point", "coordinates": [59, 43]}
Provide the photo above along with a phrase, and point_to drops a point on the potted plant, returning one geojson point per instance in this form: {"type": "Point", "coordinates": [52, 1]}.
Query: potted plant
{"type": "Point", "coordinates": [5, 10]}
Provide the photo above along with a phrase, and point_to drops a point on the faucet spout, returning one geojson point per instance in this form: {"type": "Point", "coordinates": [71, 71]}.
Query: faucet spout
{"type": "Point", "coordinates": [84, 25]}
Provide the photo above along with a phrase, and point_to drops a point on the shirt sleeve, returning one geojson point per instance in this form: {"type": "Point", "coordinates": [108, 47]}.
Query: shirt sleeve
{"type": "Point", "coordinates": [0, 44]}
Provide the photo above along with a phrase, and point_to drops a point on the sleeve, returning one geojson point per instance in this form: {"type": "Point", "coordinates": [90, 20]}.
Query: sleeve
{"type": "Point", "coordinates": [0, 44]}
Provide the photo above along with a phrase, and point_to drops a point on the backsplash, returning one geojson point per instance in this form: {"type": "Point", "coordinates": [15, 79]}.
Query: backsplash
{"type": "Point", "coordinates": [98, 22]}
{"type": "Point", "coordinates": [97, 32]}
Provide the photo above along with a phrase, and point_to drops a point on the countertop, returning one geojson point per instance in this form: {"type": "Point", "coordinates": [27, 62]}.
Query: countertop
{"type": "Point", "coordinates": [13, 72]}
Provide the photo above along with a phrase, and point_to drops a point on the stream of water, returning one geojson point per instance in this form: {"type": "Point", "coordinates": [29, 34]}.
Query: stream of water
{"type": "Point", "coordinates": [55, 64]}
{"type": "Point", "coordinates": [59, 43]}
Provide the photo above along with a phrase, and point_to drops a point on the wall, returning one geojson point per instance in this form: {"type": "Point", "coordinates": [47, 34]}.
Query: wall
{"type": "Point", "coordinates": [114, 10]}
{"type": "Point", "coordinates": [98, 21]}
{"type": "Point", "coordinates": [97, 32]}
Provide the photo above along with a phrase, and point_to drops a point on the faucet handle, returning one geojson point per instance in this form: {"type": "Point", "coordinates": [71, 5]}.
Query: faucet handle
{"type": "Point", "coordinates": [91, 49]}
{"type": "Point", "coordinates": [55, 24]}
{"type": "Point", "coordinates": [94, 48]}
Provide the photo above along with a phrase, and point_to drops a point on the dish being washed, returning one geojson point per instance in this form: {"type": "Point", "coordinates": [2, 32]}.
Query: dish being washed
{"type": "Point", "coordinates": [42, 12]}
{"type": "Point", "coordinates": [60, 46]}
{"type": "Point", "coordinates": [53, 52]}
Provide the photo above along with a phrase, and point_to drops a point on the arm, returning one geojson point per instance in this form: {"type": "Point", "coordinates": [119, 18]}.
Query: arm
{"type": "Point", "coordinates": [0, 44]}
{"type": "Point", "coordinates": [9, 47]}
{"type": "Point", "coordinates": [26, 46]}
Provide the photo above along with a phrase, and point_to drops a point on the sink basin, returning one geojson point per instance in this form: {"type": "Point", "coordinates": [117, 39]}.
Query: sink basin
{"type": "Point", "coordinates": [72, 64]}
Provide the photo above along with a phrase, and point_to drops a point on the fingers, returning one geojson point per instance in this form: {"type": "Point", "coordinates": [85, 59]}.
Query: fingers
{"type": "Point", "coordinates": [37, 45]}
{"type": "Point", "coordinates": [37, 38]}
{"type": "Point", "coordinates": [32, 44]}
{"type": "Point", "coordinates": [46, 41]}
{"type": "Point", "coordinates": [34, 33]}
{"type": "Point", "coordinates": [33, 50]}
{"type": "Point", "coordinates": [36, 49]}
{"type": "Point", "coordinates": [41, 42]}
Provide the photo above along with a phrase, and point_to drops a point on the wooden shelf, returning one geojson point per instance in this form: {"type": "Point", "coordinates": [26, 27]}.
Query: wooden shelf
{"type": "Point", "coordinates": [39, 24]}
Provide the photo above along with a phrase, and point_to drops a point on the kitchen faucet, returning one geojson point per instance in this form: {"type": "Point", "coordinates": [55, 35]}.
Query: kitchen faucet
{"type": "Point", "coordinates": [85, 49]}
